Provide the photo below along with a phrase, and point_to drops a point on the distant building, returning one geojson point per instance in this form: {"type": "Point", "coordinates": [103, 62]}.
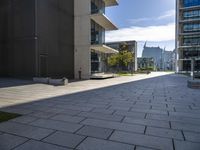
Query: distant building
{"type": "Point", "coordinates": [168, 60]}
{"type": "Point", "coordinates": [146, 63]}
{"type": "Point", "coordinates": [156, 53]}
{"type": "Point", "coordinates": [132, 47]}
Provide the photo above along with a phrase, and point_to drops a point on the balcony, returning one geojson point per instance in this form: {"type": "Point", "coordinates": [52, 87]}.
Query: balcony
{"type": "Point", "coordinates": [109, 3]}
{"type": "Point", "coordinates": [189, 33]}
{"type": "Point", "coordinates": [189, 20]}
{"type": "Point", "coordinates": [190, 8]}
{"type": "Point", "coordinates": [103, 49]}
{"type": "Point", "coordinates": [103, 21]}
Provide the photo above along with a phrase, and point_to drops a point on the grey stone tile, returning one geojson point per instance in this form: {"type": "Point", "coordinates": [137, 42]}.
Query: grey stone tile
{"type": "Point", "coordinates": [142, 140]}
{"type": "Point", "coordinates": [24, 119]}
{"type": "Point", "coordinates": [95, 132]}
{"type": "Point", "coordinates": [70, 112]}
{"type": "Point", "coordinates": [8, 141]}
{"type": "Point", "coordinates": [192, 136]}
{"type": "Point", "coordinates": [103, 111]}
{"type": "Point", "coordinates": [185, 127]}
{"type": "Point", "coordinates": [16, 110]}
{"type": "Point", "coordinates": [130, 114]}
{"type": "Point", "coordinates": [97, 144]}
{"type": "Point", "coordinates": [175, 134]}
{"type": "Point", "coordinates": [173, 118]}
{"type": "Point", "coordinates": [101, 116]}
{"type": "Point", "coordinates": [156, 123]}
{"type": "Point", "coordinates": [64, 139]}
{"type": "Point", "coordinates": [114, 125]}
{"type": "Point", "coordinates": [191, 115]}
{"type": "Point", "coordinates": [73, 107]}
{"type": "Point", "coordinates": [183, 145]}
{"type": "Point", "coordinates": [149, 111]}
{"type": "Point", "coordinates": [25, 130]}
{"type": "Point", "coordinates": [44, 115]}
{"type": "Point", "coordinates": [120, 108]}
{"type": "Point", "coordinates": [143, 148]}
{"type": "Point", "coordinates": [63, 117]}
{"type": "Point", "coordinates": [36, 145]}
{"type": "Point", "coordinates": [57, 125]}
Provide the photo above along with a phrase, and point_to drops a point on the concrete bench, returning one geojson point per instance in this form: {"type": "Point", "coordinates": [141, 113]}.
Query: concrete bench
{"type": "Point", "coordinates": [194, 84]}
{"type": "Point", "coordinates": [56, 82]}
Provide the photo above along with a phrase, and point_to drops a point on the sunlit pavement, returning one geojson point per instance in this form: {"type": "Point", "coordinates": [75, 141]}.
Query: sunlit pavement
{"type": "Point", "coordinates": [141, 112]}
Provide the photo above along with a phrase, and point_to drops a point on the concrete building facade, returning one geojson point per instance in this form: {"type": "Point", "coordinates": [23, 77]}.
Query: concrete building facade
{"type": "Point", "coordinates": [187, 34]}
{"type": "Point", "coordinates": [51, 38]}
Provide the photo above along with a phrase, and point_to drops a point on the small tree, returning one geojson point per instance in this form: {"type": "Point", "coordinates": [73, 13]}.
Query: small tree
{"type": "Point", "coordinates": [123, 58]}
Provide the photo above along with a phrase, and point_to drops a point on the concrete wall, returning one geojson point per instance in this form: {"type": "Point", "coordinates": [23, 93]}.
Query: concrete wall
{"type": "Point", "coordinates": [82, 38]}
{"type": "Point", "coordinates": [38, 38]}
{"type": "Point", "coordinates": [3, 18]}
{"type": "Point", "coordinates": [19, 43]}
{"type": "Point", "coordinates": [55, 32]}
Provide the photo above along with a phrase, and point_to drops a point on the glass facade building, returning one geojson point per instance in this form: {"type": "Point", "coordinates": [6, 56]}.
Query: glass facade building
{"type": "Point", "coordinates": [188, 34]}
{"type": "Point", "coordinates": [98, 58]}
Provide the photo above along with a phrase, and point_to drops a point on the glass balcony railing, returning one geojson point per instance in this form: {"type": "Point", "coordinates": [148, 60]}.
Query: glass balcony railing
{"type": "Point", "coordinates": [96, 11]}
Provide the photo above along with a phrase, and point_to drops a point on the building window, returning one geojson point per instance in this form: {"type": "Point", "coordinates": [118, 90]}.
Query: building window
{"type": "Point", "coordinates": [195, 14]}
{"type": "Point", "coordinates": [191, 27]}
{"type": "Point", "coordinates": [189, 3]}
{"type": "Point", "coordinates": [97, 34]}
{"type": "Point", "coordinates": [191, 40]}
{"type": "Point", "coordinates": [97, 6]}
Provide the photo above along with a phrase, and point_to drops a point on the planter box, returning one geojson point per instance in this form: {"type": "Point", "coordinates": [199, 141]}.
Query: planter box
{"type": "Point", "coordinates": [58, 82]}
{"type": "Point", "coordinates": [41, 80]}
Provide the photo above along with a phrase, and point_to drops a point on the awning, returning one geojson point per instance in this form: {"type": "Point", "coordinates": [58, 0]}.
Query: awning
{"type": "Point", "coordinates": [103, 21]}
{"type": "Point", "coordinates": [104, 49]}
{"type": "Point", "coordinates": [110, 3]}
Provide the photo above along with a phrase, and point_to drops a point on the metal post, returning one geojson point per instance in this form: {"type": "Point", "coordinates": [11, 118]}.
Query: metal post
{"type": "Point", "coordinates": [192, 68]}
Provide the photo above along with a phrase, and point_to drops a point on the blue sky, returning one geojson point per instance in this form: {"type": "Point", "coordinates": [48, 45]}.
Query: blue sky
{"type": "Point", "coordinates": [144, 20]}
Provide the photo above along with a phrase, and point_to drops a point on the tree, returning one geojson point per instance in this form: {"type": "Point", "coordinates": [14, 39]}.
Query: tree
{"type": "Point", "coordinates": [123, 58]}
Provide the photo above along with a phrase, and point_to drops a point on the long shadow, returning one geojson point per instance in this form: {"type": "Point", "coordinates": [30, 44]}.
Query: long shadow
{"type": "Point", "coordinates": [124, 92]}
{"type": "Point", "coordinates": [11, 82]}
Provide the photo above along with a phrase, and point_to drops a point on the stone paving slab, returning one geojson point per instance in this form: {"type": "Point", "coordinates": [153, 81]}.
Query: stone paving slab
{"type": "Point", "coordinates": [24, 119]}
{"type": "Point", "coordinates": [64, 139]}
{"type": "Point", "coordinates": [98, 144]}
{"type": "Point", "coordinates": [183, 145]}
{"type": "Point", "coordinates": [143, 112]}
{"type": "Point", "coordinates": [148, 122]}
{"type": "Point", "coordinates": [185, 127]}
{"type": "Point", "coordinates": [25, 130]}
{"type": "Point", "coordinates": [168, 133]}
{"type": "Point", "coordinates": [192, 136]}
{"type": "Point", "coordinates": [37, 145]}
{"type": "Point", "coordinates": [56, 125]}
{"type": "Point", "coordinates": [96, 132]}
{"type": "Point", "coordinates": [143, 148]}
{"type": "Point", "coordinates": [114, 125]}
{"type": "Point", "coordinates": [142, 140]}
{"type": "Point", "coordinates": [64, 117]}
{"type": "Point", "coordinates": [101, 116]}
{"type": "Point", "coordinates": [8, 141]}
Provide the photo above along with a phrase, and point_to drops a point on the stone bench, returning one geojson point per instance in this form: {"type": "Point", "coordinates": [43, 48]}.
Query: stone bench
{"type": "Point", "coordinates": [56, 82]}
{"type": "Point", "coordinates": [194, 84]}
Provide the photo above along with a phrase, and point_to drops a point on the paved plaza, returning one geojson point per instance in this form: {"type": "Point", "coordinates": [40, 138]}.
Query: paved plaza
{"type": "Point", "coordinates": [141, 112]}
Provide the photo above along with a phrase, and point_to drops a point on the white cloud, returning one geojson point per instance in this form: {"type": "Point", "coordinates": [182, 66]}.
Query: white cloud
{"type": "Point", "coordinates": [166, 15]}
{"type": "Point", "coordinates": [150, 33]}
